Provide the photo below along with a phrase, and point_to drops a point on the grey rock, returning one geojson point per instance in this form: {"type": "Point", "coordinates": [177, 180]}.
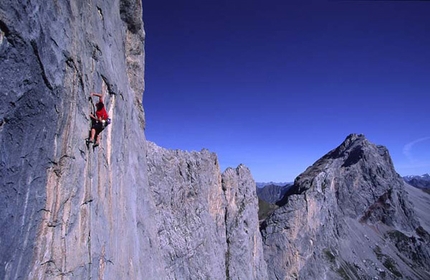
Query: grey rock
{"type": "Point", "coordinates": [421, 204]}
{"type": "Point", "coordinates": [207, 221]}
{"type": "Point", "coordinates": [244, 256]}
{"type": "Point", "coordinates": [347, 216]}
{"type": "Point", "coordinates": [186, 188]}
{"type": "Point", "coordinates": [117, 211]}
{"type": "Point", "coordinates": [132, 210]}
{"type": "Point", "coordinates": [69, 212]}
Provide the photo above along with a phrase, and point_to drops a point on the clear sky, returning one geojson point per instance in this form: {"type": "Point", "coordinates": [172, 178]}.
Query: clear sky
{"type": "Point", "coordinates": [276, 84]}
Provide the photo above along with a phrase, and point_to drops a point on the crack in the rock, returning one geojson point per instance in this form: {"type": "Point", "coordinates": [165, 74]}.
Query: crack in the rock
{"type": "Point", "coordinates": [42, 68]}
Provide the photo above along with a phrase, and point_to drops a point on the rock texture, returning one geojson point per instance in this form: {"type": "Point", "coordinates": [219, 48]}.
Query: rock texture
{"type": "Point", "coordinates": [69, 212]}
{"type": "Point", "coordinates": [421, 205]}
{"type": "Point", "coordinates": [132, 210]}
{"type": "Point", "coordinates": [347, 217]}
{"type": "Point", "coordinates": [207, 221]}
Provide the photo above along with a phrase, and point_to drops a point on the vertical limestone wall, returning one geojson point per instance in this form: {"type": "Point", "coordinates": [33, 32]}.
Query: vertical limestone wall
{"type": "Point", "coordinates": [69, 211]}
{"type": "Point", "coordinates": [207, 221]}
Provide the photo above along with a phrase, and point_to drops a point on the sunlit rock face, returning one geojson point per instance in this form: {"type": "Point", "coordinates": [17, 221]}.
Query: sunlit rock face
{"type": "Point", "coordinates": [129, 209]}
{"type": "Point", "coordinates": [73, 212]}
{"type": "Point", "coordinates": [347, 217]}
{"type": "Point", "coordinates": [206, 221]}
{"type": "Point", "coordinates": [69, 211]}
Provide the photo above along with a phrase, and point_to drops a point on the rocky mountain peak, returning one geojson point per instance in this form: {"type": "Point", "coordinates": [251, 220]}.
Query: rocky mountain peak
{"type": "Point", "coordinates": [353, 138]}
{"type": "Point", "coordinates": [132, 210]}
{"type": "Point", "coordinates": [350, 197]}
{"type": "Point", "coordinates": [355, 148]}
{"type": "Point", "coordinates": [355, 156]}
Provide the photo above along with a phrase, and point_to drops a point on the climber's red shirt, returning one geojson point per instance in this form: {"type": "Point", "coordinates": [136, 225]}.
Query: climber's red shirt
{"type": "Point", "coordinates": [102, 112]}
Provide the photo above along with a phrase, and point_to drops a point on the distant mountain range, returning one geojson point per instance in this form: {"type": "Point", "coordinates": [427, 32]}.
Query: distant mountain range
{"type": "Point", "coordinates": [263, 184]}
{"type": "Point", "coordinates": [418, 181]}
{"type": "Point", "coordinates": [272, 192]}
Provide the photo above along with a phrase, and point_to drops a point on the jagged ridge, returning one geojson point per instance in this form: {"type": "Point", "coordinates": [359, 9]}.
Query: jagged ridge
{"type": "Point", "coordinates": [207, 221]}
{"type": "Point", "coordinates": [350, 197]}
{"type": "Point", "coordinates": [74, 212]}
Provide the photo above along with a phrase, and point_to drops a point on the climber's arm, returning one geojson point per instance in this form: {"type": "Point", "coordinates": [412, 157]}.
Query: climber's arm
{"type": "Point", "coordinates": [99, 95]}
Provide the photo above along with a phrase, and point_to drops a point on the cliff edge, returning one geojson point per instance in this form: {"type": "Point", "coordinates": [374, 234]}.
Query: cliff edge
{"type": "Point", "coordinates": [127, 209]}
{"type": "Point", "coordinates": [207, 222]}
{"type": "Point", "coordinates": [70, 211]}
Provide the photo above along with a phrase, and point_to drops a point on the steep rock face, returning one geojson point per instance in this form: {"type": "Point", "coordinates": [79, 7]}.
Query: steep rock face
{"type": "Point", "coordinates": [347, 217]}
{"type": "Point", "coordinates": [244, 258]}
{"type": "Point", "coordinates": [69, 211]}
{"type": "Point", "coordinates": [207, 222]}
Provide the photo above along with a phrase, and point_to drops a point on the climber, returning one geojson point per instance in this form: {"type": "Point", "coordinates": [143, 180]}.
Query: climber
{"type": "Point", "coordinates": [99, 121]}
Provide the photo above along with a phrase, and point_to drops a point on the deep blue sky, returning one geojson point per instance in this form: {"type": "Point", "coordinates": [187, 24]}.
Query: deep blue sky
{"type": "Point", "coordinates": [275, 85]}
